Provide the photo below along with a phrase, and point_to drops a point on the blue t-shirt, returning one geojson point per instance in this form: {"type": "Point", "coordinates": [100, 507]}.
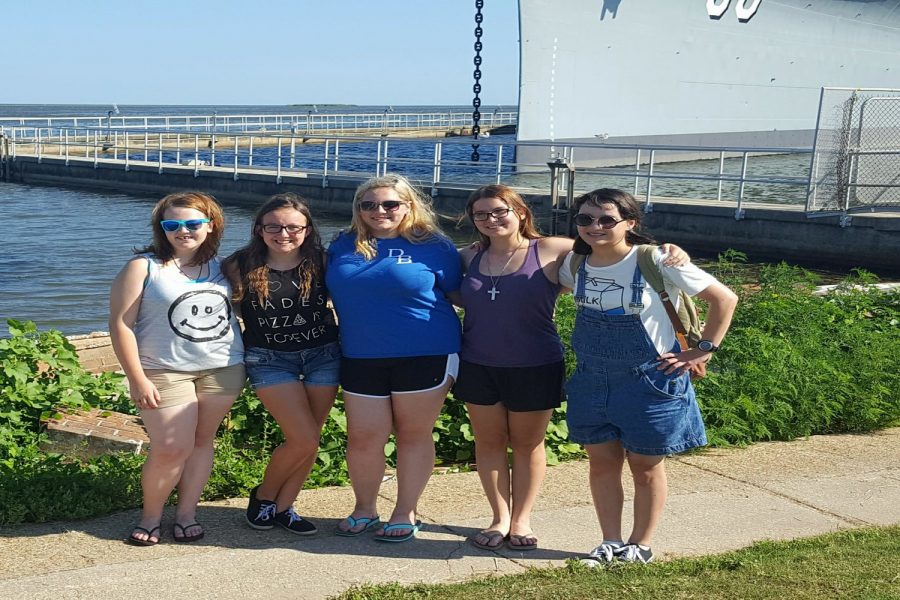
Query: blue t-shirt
{"type": "Point", "coordinates": [395, 305]}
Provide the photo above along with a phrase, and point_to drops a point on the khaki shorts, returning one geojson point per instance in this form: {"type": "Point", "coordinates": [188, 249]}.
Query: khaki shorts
{"type": "Point", "coordinates": [183, 387]}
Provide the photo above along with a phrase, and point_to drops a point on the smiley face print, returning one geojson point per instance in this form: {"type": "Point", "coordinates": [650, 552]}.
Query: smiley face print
{"type": "Point", "coordinates": [201, 315]}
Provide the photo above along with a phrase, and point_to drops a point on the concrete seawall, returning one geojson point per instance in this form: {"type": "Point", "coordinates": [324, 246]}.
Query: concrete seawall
{"type": "Point", "coordinates": [767, 231]}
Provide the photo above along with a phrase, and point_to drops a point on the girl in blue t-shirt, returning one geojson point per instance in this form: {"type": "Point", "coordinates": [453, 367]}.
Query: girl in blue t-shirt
{"type": "Point", "coordinates": [390, 279]}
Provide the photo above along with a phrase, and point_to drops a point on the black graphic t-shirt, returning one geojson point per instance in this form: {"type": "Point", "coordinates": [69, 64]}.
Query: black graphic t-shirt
{"type": "Point", "coordinates": [285, 321]}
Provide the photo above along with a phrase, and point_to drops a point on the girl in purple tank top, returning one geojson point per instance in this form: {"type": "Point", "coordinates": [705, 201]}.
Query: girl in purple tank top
{"type": "Point", "coordinates": [511, 369]}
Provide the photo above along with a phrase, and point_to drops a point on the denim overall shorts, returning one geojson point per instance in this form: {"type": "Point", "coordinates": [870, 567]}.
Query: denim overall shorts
{"type": "Point", "coordinates": [617, 392]}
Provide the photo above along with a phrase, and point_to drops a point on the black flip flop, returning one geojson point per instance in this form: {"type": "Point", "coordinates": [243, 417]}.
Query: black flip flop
{"type": "Point", "coordinates": [490, 534]}
{"type": "Point", "coordinates": [184, 539]}
{"type": "Point", "coordinates": [148, 542]}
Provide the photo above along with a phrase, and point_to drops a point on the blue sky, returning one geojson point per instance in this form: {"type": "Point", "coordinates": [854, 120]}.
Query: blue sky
{"type": "Point", "coordinates": [401, 52]}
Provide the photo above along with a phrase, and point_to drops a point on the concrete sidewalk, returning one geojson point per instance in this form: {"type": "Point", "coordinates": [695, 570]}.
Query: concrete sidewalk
{"type": "Point", "coordinates": [719, 500]}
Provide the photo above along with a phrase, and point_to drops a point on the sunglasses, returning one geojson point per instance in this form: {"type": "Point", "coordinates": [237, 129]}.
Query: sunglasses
{"type": "Point", "coordinates": [171, 225]}
{"type": "Point", "coordinates": [497, 213]}
{"type": "Point", "coordinates": [291, 229]}
{"type": "Point", "coordinates": [606, 222]}
{"type": "Point", "coordinates": [387, 205]}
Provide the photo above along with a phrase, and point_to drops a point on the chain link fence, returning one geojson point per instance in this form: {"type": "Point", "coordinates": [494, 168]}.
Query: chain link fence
{"type": "Point", "coordinates": [856, 157]}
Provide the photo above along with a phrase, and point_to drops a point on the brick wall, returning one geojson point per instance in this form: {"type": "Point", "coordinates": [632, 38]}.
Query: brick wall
{"type": "Point", "coordinates": [95, 352]}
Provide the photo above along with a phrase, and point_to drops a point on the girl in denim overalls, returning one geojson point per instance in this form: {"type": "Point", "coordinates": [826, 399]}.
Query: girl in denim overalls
{"type": "Point", "coordinates": [631, 395]}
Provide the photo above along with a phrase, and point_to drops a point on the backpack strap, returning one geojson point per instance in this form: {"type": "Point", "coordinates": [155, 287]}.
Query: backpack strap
{"type": "Point", "coordinates": [650, 271]}
{"type": "Point", "coordinates": [575, 264]}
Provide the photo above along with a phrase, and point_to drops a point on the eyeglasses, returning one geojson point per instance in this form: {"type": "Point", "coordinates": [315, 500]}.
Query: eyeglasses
{"type": "Point", "coordinates": [606, 221]}
{"type": "Point", "coordinates": [171, 225]}
{"type": "Point", "coordinates": [497, 213]}
{"type": "Point", "coordinates": [387, 205]}
{"type": "Point", "coordinates": [291, 229]}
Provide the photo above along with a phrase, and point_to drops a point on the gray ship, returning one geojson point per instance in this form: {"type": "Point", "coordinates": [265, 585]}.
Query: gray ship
{"type": "Point", "coordinates": [696, 72]}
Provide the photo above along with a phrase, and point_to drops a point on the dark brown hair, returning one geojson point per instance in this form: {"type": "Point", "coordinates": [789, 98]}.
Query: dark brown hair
{"type": "Point", "coordinates": [250, 261]}
{"type": "Point", "coordinates": [628, 209]}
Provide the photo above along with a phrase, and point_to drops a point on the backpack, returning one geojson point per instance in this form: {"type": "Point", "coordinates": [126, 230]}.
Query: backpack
{"type": "Point", "coordinates": [685, 319]}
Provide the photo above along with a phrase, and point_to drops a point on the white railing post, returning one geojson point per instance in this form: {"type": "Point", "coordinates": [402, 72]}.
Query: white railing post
{"type": "Point", "coordinates": [250, 153]}
{"type": "Point", "coordinates": [236, 157]}
{"type": "Point", "coordinates": [278, 168]}
{"type": "Point", "coordinates": [159, 137]}
{"type": "Point", "coordinates": [337, 154]}
{"type": "Point", "coordinates": [146, 142]}
{"type": "Point", "coordinates": [96, 153]}
{"type": "Point", "coordinates": [196, 155]}
{"type": "Point", "coordinates": [40, 147]}
{"type": "Point", "coordinates": [637, 171]}
{"type": "Point", "coordinates": [499, 163]}
{"type": "Point", "coordinates": [67, 147]}
{"type": "Point", "coordinates": [721, 172]}
{"type": "Point", "coordinates": [178, 148]}
{"type": "Point", "coordinates": [648, 204]}
{"type": "Point", "coordinates": [293, 146]}
{"type": "Point", "coordinates": [739, 211]}
{"type": "Point", "coordinates": [127, 166]}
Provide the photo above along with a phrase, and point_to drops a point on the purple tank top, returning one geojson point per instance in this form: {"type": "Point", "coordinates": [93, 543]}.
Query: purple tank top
{"type": "Point", "coordinates": [516, 329]}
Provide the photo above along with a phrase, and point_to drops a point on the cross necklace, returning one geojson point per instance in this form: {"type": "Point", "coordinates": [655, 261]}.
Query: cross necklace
{"type": "Point", "coordinates": [494, 279]}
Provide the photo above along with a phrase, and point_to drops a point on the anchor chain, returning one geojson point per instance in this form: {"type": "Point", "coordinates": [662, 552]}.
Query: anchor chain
{"type": "Point", "coordinates": [476, 88]}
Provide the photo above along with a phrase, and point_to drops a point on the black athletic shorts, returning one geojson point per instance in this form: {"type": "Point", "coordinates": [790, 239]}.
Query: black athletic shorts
{"type": "Point", "coordinates": [381, 377]}
{"type": "Point", "coordinates": [520, 389]}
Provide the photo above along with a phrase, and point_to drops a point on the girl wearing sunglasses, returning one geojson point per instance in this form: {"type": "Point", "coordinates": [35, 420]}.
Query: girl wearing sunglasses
{"type": "Point", "coordinates": [178, 342]}
{"type": "Point", "coordinates": [292, 353]}
{"type": "Point", "coordinates": [390, 278]}
{"type": "Point", "coordinates": [631, 398]}
{"type": "Point", "coordinates": [511, 369]}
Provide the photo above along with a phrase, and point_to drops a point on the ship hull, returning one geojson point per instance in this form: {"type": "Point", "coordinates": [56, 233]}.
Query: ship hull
{"type": "Point", "coordinates": [667, 72]}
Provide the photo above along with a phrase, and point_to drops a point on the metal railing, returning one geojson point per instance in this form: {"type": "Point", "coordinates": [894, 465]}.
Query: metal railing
{"type": "Point", "coordinates": [428, 162]}
{"type": "Point", "coordinates": [301, 122]}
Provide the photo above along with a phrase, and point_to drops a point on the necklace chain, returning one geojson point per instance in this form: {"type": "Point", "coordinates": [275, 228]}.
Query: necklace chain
{"type": "Point", "coordinates": [180, 270]}
{"type": "Point", "coordinates": [495, 279]}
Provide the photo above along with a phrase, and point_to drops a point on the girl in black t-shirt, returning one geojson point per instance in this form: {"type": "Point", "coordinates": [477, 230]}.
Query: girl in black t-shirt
{"type": "Point", "coordinates": [292, 351]}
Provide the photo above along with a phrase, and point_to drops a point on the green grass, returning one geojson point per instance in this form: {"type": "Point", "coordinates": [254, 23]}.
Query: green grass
{"type": "Point", "coordinates": [861, 563]}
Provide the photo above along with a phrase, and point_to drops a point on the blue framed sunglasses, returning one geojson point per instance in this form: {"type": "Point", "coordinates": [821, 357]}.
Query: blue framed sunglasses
{"type": "Point", "coordinates": [171, 225]}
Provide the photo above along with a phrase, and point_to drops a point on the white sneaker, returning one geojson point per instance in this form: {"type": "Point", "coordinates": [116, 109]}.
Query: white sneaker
{"type": "Point", "coordinates": [602, 555]}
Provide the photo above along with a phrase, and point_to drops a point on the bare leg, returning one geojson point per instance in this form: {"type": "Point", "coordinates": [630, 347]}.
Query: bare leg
{"type": "Point", "coordinates": [490, 426]}
{"type": "Point", "coordinates": [171, 432]}
{"type": "Point", "coordinates": [650, 491]}
{"type": "Point", "coordinates": [414, 417]}
{"type": "Point", "coordinates": [527, 432]}
{"type": "Point", "coordinates": [606, 463]}
{"type": "Point", "coordinates": [211, 409]}
{"type": "Point", "coordinates": [300, 412]}
{"type": "Point", "coordinates": [368, 429]}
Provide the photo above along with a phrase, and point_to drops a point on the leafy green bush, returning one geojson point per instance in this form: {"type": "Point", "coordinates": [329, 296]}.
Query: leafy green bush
{"type": "Point", "coordinates": [795, 364]}
{"type": "Point", "coordinates": [39, 372]}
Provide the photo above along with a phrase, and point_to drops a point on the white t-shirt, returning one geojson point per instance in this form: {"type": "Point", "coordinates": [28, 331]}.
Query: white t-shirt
{"type": "Point", "coordinates": [608, 289]}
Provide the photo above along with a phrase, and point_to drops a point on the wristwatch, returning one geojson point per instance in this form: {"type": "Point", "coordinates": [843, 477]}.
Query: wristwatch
{"type": "Point", "coordinates": [706, 346]}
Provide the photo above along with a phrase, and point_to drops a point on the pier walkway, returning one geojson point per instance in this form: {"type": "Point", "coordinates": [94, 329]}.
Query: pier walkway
{"type": "Point", "coordinates": [719, 500]}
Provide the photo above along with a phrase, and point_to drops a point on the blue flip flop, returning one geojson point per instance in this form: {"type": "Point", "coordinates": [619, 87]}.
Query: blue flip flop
{"type": "Point", "coordinates": [369, 523]}
{"type": "Point", "coordinates": [396, 539]}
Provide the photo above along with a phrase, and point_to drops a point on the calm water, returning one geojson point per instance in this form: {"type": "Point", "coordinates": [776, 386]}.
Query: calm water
{"type": "Point", "coordinates": [61, 248]}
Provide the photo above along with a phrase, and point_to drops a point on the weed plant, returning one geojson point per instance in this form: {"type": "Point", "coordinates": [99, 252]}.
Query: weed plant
{"type": "Point", "coordinates": [794, 364]}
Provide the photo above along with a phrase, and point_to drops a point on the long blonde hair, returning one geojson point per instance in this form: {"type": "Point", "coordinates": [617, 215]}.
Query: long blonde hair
{"type": "Point", "coordinates": [418, 225]}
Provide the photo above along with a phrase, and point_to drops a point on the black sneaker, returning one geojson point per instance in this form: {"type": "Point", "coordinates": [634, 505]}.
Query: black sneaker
{"type": "Point", "coordinates": [260, 513]}
{"type": "Point", "coordinates": [634, 553]}
{"type": "Point", "coordinates": [294, 522]}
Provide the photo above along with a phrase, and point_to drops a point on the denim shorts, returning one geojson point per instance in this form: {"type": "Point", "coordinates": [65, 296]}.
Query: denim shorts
{"type": "Point", "coordinates": [315, 366]}
{"type": "Point", "coordinates": [648, 411]}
